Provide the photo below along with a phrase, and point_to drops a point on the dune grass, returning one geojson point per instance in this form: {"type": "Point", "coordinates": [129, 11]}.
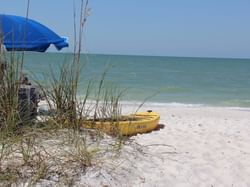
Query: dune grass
{"type": "Point", "coordinates": [58, 146]}
{"type": "Point", "coordinates": [59, 142]}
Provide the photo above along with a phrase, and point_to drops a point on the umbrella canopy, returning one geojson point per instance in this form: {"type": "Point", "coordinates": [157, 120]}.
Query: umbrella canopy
{"type": "Point", "coordinates": [22, 34]}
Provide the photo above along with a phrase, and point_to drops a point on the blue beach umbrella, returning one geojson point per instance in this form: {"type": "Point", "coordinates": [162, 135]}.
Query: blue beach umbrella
{"type": "Point", "coordinates": [22, 34]}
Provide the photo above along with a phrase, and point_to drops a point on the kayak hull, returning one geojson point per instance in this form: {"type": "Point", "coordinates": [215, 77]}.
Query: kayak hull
{"type": "Point", "coordinates": [142, 122]}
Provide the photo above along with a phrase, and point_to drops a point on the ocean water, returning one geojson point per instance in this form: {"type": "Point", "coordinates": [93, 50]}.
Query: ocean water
{"type": "Point", "coordinates": [195, 81]}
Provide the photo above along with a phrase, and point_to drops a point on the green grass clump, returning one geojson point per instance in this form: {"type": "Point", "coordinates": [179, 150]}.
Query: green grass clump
{"type": "Point", "coordinates": [28, 142]}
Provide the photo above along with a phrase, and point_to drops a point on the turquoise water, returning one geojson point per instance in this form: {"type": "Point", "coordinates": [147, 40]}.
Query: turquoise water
{"type": "Point", "coordinates": [208, 81]}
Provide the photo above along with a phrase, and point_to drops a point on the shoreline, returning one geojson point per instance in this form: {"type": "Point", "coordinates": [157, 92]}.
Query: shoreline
{"type": "Point", "coordinates": [158, 105]}
{"type": "Point", "coordinates": [136, 103]}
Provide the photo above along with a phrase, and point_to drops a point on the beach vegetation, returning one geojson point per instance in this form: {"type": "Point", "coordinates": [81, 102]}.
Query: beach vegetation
{"type": "Point", "coordinates": [57, 144]}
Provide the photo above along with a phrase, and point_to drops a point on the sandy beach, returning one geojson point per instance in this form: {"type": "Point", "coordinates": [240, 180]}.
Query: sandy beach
{"type": "Point", "coordinates": [194, 146]}
{"type": "Point", "coordinates": [198, 146]}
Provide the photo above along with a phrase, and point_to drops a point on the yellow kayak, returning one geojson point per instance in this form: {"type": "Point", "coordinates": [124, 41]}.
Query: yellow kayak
{"type": "Point", "coordinates": [141, 122]}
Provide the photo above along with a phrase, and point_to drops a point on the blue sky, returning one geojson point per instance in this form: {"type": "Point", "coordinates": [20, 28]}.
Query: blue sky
{"type": "Point", "coordinates": [209, 28]}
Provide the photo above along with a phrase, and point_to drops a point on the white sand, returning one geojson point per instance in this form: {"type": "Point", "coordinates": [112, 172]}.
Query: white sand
{"type": "Point", "coordinates": [199, 146]}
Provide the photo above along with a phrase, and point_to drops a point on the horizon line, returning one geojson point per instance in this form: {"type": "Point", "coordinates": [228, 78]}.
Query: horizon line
{"type": "Point", "coordinates": [147, 55]}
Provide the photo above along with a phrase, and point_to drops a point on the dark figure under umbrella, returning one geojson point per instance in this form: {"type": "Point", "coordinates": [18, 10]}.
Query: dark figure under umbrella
{"type": "Point", "coordinates": [23, 34]}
